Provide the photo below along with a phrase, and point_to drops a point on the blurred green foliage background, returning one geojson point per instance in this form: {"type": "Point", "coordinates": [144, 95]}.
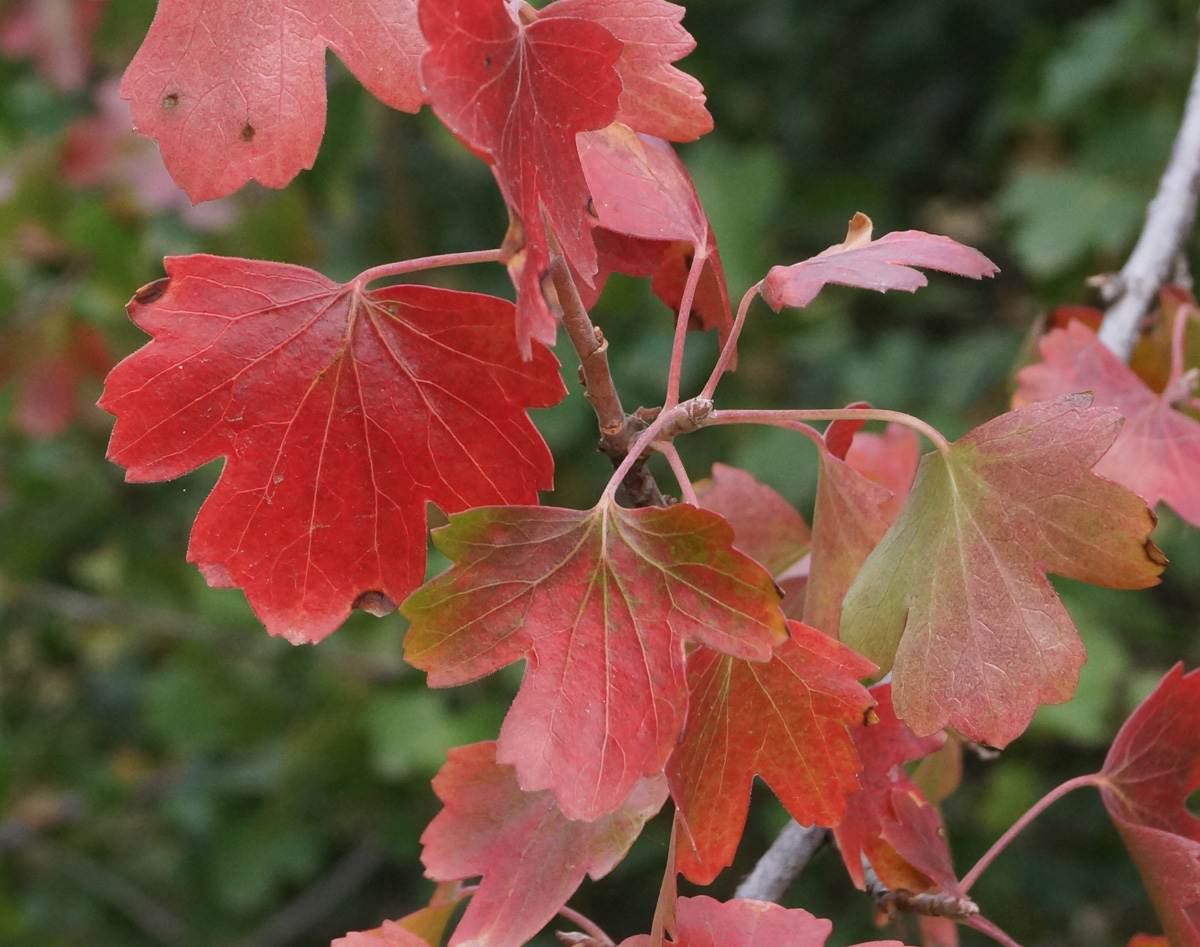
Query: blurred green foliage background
{"type": "Point", "coordinates": [171, 775]}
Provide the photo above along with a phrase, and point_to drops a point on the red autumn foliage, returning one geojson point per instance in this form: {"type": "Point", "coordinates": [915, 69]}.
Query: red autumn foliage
{"type": "Point", "coordinates": [599, 604]}
{"type": "Point", "coordinates": [340, 412]}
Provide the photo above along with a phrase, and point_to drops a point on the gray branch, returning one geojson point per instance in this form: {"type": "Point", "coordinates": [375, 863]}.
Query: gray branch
{"type": "Point", "coordinates": [783, 862]}
{"type": "Point", "coordinates": [1169, 221]}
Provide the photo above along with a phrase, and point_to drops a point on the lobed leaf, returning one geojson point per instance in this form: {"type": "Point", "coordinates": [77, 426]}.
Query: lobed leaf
{"type": "Point", "coordinates": [705, 922]}
{"type": "Point", "coordinates": [234, 91]}
{"type": "Point", "coordinates": [651, 223]}
{"type": "Point", "coordinates": [883, 264]}
{"type": "Point", "coordinates": [884, 743]}
{"type": "Point", "coordinates": [599, 604]}
{"type": "Point", "coordinates": [340, 413]}
{"type": "Point", "coordinates": [656, 98]}
{"type": "Point", "coordinates": [518, 94]}
{"type": "Point", "coordinates": [955, 600]}
{"type": "Point", "coordinates": [784, 720]}
{"type": "Point", "coordinates": [530, 855]}
{"type": "Point", "coordinates": [1151, 770]}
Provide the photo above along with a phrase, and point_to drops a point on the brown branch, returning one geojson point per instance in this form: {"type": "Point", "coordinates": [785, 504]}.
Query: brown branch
{"type": "Point", "coordinates": [782, 863]}
{"type": "Point", "coordinates": [928, 904]}
{"type": "Point", "coordinates": [1160, 247]}
{"type": "Point", "coordinates": [618, 430]}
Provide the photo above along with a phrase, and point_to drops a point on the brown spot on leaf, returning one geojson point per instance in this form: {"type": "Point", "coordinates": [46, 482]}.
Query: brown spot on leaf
{"type": "Point", "coordinates": [487, 63]}
{"type": "Point", "coordinates": [170, 101]}
{"type": "Point", "coordinates": [247, 132]}
{"type": "Point", "coordinates": [152, 291]}
{"type": "Point", "coordinates": [870, 718]}
{"type": "Point", "coordinates": [375, 603]}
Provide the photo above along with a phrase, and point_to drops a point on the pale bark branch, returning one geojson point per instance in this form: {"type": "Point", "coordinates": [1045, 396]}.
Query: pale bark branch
{"type": "Point", "coordinates": [783, 861]}
{"type": "Point", "coordinates": [1169, 221]}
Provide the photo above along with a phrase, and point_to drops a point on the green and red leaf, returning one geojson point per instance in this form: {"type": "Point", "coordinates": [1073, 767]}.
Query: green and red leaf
{"type": "Point", "coordinates": [599, 604]}
{"type": "Point", "coordinates": [955, 600]}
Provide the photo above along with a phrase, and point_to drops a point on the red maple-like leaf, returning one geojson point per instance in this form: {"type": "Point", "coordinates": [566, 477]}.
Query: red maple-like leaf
{"type": "Point", "coordinates": [765, 526]}
{"type": "Point", "coordinates": [531, 856]}
{"type": "Point", "coordinates": [914, 830]}
{"type": "Point", "coordinates": [889, 459]}
{"type": "Point", "coordinates": [517, 94]}
{"type": "Point", "coordinates": [955, 598]}
{"type": "Point", "coordinates": [656, 98]}
{"type": "Point", "coordinates": [651, 223]}
{"type": "Point", "coordinates": [705, 922]}
{"type": "Point", "coordinates": [234, 91]}
{"type": "Point", "coordinates": [341, 412]}
{"type": "Point", "coordinates": [1157, 452]}
{"type": "Point", "coordinates": [1151, 770]}
{"type": "Point", "coordinates": [884, 745]}
{"type": "Point", "coordinates": [599, 603]}
{"type": "Point", "coordinates": [784, 720]}
{"type": "Point", "coordinates": [883, 264]}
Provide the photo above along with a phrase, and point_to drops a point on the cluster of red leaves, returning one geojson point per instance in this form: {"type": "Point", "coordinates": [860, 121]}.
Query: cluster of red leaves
{"type": "Point", "coordinates": [667, 650]}
{"type": "Point", "coordinates": [600, 605]}
{"type": "Point", "coordinates": [241, 96]}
